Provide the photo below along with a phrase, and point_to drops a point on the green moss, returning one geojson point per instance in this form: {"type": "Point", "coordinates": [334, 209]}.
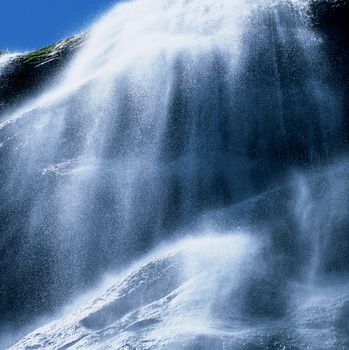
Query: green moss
{"type": "Point", "coordinates": [43, 54]}
{"type": "Point", "coordinates": [39, 55]}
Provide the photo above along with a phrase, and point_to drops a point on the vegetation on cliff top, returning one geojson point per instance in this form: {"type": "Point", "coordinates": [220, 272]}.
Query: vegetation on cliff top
{"type": "Point", "coordinates": [51, 52]}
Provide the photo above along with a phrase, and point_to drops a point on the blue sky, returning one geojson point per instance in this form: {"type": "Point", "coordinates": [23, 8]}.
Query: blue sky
{"type": "Point", "coordinates": [30, 24]}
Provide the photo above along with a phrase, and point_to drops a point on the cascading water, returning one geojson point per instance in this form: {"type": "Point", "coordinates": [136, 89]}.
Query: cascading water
{"type": "Point", "coordinates": [5, 59]}
{"type": "Point", "coordinates": [180, 117]}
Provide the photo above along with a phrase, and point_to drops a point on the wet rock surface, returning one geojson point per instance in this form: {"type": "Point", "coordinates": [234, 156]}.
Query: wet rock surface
{"type": "Point", "coordinates": [317, 320]}
{"type": "Point", "coordinates": [82, 191]}
{"type": "Point", "coordinates": [29, 73]}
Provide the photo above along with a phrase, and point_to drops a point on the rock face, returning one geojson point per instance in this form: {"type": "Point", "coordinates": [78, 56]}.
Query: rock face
{"type": "Point", "coordinates": [51, 184]}
{"type": "Point", "coordinates": [207, 292]}
{"type": "Point", "coordinates": [154, 308]}
{"type": "Point", "coordinates": [330, 18]}
{"type": "Point", "coordinates": [30, 72]}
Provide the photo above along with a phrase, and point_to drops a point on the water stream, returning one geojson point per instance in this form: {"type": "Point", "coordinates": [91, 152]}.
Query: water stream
{"type": "Point", "coordinates": [208, 119]}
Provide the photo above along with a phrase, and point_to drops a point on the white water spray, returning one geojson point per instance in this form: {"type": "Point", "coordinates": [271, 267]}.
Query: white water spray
{"type": "Point", "coordinates": [170, 109]}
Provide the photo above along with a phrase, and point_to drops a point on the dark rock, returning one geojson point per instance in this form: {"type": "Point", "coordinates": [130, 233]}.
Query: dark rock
{"type": "Point", "coordinates": [30, 72]}
{"type": "Point", "coordinates": [330, 19]}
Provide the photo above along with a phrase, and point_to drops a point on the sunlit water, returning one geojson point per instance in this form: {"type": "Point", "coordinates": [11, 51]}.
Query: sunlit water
{"type": "Point", "coordinates": [6, 58]}
{"type": "Point", "coordinates": [180, 118]}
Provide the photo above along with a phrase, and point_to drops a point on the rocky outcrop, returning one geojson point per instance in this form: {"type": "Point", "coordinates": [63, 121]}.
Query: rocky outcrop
{"type": "Point", "coordinates": [31, 71]}
{"type": "Point", "coordinates": [31, 292]}
{"type": "Point", "coordinates": [329, 14]}
{"type": "Point", "coordinates": [154, 308]}
{"type": "Point", "coordinates": [330, 19]}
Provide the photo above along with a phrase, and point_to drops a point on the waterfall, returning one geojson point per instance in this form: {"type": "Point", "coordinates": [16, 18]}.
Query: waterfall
{"type": "Point", "coordinates": [177, 118]}
{"type": "Point", "coordinates": [5, 59]}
